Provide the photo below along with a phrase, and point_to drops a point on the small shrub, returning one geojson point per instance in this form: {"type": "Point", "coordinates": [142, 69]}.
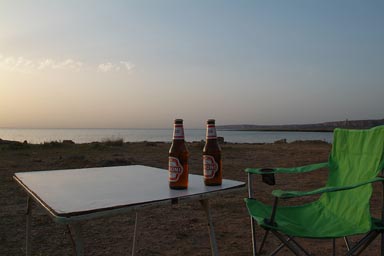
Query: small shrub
{"type": "Point", "coordinates": [52, 144]}
{"type": "Point", "coordinates": [114, 142]}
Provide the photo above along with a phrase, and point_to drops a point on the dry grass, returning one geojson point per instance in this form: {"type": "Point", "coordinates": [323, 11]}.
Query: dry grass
{"type": "Point", "coordinates": [166, 230]}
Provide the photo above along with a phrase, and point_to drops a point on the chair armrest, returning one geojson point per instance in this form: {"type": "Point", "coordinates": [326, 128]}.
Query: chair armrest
{"type": "Point", "coordinates": [268, 174]}
{"type": "Point", "coordinates": [301, 169]}
{"type": "Point", "coordinates": [292, 194]}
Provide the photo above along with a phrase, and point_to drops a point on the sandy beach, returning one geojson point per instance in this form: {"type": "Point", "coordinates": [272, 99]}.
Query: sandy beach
{"type": "Point", "coordinates": [167, 230]}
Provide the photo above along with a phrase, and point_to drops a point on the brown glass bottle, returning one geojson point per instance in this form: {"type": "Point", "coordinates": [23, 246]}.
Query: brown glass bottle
{"type": "Point", "coordinates": [178, 158]}
{"type": "Point", "coordinates": [212, 163]}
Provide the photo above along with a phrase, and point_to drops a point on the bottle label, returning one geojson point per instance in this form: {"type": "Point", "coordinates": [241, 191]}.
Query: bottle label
{"type": "Point", "coordinates": [210, 166]}
{"type": "Point", "coordinates": [211, 132]}
{"type": "Point", "coordinates": [175, 169]}
{"type": "Point", "coordinates": [178, 132]}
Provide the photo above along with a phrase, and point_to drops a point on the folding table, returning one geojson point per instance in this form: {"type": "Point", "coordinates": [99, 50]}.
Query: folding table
{"type": "Point", "coordinates": [72, 196]}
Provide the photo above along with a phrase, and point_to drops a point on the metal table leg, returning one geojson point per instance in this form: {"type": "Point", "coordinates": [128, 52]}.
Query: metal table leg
{"type": "Point", "coordinates": [205, 205]}
{"type": "Point", "coordinates": [28, 226]}
{"type": "Point", "coordinates": [77, 240]}
{"type": "Point", "coordinates": [134, 236]}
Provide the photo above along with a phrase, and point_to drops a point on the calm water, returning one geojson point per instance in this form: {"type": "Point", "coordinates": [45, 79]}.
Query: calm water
{"type": "Point", "coordinates": [164, 135]}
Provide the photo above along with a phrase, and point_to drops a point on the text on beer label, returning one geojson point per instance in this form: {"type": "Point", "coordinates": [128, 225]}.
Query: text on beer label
{"type": "Point", "coordinates": [211, 132]}
{"type": "Point", "coordinates": [178, 132]}
{"type": "Point", "coordinates": [210, 166]}
{"type": "Point", "coordinates": [175, 169]}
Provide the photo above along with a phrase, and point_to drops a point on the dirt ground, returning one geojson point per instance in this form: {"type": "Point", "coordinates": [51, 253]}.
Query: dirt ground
{"type": "Point", "coordinates": [164, 230]}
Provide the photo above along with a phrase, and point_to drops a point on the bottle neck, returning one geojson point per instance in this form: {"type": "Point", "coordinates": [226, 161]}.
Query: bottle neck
{"type": "Point", "coordinates": [211, 132]}
{"type": "Point", "coordinates": [178, 132]}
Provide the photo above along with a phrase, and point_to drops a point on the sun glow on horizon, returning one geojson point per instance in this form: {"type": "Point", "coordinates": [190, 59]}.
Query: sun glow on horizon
{"type": "Point", "coordinates": [141, 64]}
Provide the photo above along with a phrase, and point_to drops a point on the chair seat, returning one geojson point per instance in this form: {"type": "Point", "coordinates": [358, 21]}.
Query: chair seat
{"type": "Point", "coordinates": [312, 220]}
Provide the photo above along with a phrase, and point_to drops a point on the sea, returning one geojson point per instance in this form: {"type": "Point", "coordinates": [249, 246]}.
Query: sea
{"type": "Point", "coordinates": [37, 136]}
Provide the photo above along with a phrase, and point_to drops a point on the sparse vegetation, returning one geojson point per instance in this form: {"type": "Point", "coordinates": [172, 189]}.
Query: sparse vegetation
{"type": "Point", "coordinates": [113, 236]}
{"type": "Point", "coordinates": [113, 142]}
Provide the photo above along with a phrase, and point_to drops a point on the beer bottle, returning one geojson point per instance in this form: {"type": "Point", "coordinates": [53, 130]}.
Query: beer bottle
{"type": "Point", "coordinates": [178, 158]}
{"type": "Point", "coordinates": [212, 163]}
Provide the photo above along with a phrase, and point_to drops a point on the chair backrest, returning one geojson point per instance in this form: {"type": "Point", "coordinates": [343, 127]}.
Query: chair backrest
{"type": "Point", "coordinates": [357, 156]}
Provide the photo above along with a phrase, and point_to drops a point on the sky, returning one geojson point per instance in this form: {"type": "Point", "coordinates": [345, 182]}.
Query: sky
{"type": "Point", "coordinates": [141, 64]}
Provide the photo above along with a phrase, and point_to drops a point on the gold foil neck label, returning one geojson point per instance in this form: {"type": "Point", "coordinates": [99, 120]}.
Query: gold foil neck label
{"type": "Point", "coordinates": [211, 132]}
{"type": "Point", "coordinates": [178, 132]}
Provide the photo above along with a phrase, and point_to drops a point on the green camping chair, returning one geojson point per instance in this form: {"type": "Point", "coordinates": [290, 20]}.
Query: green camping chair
{"type": "Point", "coordinates": [343, 208]}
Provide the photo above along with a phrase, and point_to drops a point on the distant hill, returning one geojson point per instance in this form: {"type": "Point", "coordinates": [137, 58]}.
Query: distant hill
{"type": "Point", "coordinates": [319, 127]}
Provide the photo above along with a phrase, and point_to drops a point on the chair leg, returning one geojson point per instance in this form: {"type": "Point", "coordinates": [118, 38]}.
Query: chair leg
{"type": "Point", "coordinates": [363, 243]}
{"type": "Point", "coordinates": [286, 242]}
{"type": "Point", "coordinates": [382, 244]}
{"type": "Point", "coordinates": [334, 247]}
{"type": "Point", "coordinates": [298, 245]}
{"type": "Point", "coordinates": [253, 229]}
{"type": "Point", "coordinates": [253, 223]}
{"type": "Point", "coordinates": [382, 215]}
{"type": "Point", "coordinates": [263, 241]}
{"type": "Point", "coordinates": [347, 243]}
{"type": "Point", "coordinates": [281, 246]}
{"type": "Point", "coordinates": [277, 250]}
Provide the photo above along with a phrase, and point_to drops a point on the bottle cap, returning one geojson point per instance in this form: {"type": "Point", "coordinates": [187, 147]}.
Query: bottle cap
{"type": "Point", "coordinates": [211, 121]}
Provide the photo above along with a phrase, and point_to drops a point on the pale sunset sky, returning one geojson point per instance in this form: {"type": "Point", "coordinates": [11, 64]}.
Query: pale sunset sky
{"type": "Point", "coordinates": [140, 64]}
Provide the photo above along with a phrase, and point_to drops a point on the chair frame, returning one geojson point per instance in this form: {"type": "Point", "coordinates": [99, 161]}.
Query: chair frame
{"type": "Point", "coordinates": [289, 242]}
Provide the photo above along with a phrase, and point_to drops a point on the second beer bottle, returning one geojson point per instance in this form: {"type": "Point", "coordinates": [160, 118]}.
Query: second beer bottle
{"type": "Point", "coordinates": [178, 158]}
{"type": "Point", "coordinates": [212, 164]}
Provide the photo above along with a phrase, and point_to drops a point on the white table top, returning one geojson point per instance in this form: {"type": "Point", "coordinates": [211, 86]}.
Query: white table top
{"type": "Point", "coordinates": [75, 192]}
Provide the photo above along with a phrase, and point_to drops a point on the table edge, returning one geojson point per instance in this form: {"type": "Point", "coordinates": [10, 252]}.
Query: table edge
{"type": "Point", "coordinates": [90, 214]}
